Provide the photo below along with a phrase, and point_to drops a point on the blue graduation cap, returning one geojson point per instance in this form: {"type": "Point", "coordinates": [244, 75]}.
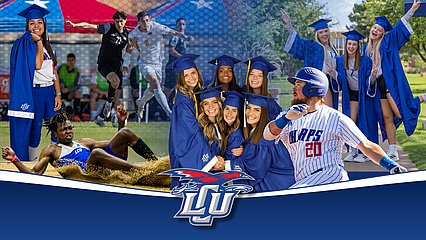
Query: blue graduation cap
{"type": "Point", "coordinates": [384, 22]}
{"type": "Point", "coordinates": [184, 62]}
{"type": "Point", "coordinates": [34, 12]}
{"type": "Point", "coordinates": [258, 100]}
{"type": "Point", "coordinates": [320, 24]}
{"type": "Point", "coordinates": [260, 63]}
{"type": "Point", "coordinates": [209, 92]}
{"type": "Point", "coordinates": [225, 60]}
{"type": "Point", "coordinates": [353, 35]}
{"type": "Point", "coordinates": [234, 99]}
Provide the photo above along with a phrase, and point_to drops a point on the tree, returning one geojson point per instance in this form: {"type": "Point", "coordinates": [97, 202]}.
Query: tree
{"type": "Point", "coordinates": [363, 15]}
{"type": "Point", "coordinates": [262, 31]}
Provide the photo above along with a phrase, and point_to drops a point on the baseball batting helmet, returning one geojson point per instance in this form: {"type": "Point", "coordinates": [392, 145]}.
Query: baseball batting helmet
{"type": "Point", "coordinates": [316, 81]}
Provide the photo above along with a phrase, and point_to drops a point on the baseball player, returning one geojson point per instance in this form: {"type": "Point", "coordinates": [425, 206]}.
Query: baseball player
{"type": "Point", "coordinates": [315, 133]}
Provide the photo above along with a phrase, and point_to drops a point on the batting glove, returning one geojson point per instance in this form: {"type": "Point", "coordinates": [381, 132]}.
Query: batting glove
{"type": "Point", "coordinates": [398, 169]}
{"type": "Point", "coordinates": [296, 111]}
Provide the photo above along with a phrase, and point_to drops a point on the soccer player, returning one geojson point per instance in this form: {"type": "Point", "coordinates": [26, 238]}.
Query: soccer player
{"type": "Point", "coordinates": [114, 39]}
{"type": "Point", "coordinates": [147, 38]}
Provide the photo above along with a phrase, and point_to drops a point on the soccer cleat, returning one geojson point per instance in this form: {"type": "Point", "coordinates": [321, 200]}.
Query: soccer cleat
{"type": "Point", "coordinates": [99, 121]}
{"type": "Point", "coordinates": [76, 118]}
{"type": "Point", "coordinates": [393, 154]}
{"type": "Point", "coordinates": [350, 157]}
{"type": "Point", "coordinates": [140, 108]}
{"type": "Point", "coordinates": [361, 158]}
{"type": "Point", "coordinates": [107, 109]}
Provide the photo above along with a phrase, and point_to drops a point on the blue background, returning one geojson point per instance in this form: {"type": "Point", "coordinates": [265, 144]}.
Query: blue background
{"type": "Point", "coordinates": [382, 212]}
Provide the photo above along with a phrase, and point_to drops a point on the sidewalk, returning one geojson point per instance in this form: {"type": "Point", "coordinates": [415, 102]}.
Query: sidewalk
{"type": "Point", "coordinates": [372, 167]}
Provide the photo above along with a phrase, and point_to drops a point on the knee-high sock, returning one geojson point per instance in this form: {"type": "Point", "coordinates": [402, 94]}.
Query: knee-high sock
{"type": "Point", "coordinates": [162, 100]}
{"type": "Point", "coordinates": [143, 150]}
{"type": "Point", "coordinates": [147, 95]}
{"type": "Point", "coordinates": [76, 106]}
{"type": "Point", "coordinates": [33, 153]}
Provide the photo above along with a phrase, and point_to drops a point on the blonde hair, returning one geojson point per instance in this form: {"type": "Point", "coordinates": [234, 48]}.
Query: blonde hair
{"type": "Point", "coordinates": [207, 125]}
{"type": "Point", "coordinates": [323, 46]}
{"type": "Point", "coordinates": [184, 89]}
{"type": "Point", "coordinates": [376, 50]}
{"type": "Point", "coordinates": [357, 57]}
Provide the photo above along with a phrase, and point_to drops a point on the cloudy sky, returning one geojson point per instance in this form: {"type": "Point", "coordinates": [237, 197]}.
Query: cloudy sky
{"type": "Point", "coordinates": [340, 9]}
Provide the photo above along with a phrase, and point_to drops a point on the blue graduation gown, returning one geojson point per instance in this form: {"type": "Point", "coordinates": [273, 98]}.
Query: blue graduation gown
{"type": "Point", "coordinates": [21, 105]}
{"type": "Point", "coordinates": [312, 55]}
{"type": "Point", "coordinates": [187, 146]}
{"type": "Point", "coordinates": [235, 140]}
{"type": "Point", "coordinates": [274, 109]}
{"type": "Point", "coordinates": [369, 108]}
{"type": "Point", "coordinates": [395, 78]}
{"type": "Point", "coordinates": [268, 163]}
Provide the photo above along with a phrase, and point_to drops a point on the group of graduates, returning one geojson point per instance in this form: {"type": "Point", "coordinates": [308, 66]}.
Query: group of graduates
{"type": "Point", "coordinates": [371, 80]}
{"type": "Point", "coordinates": [221, 127]}
{"type": "Point", "coordinates": [215, 129]}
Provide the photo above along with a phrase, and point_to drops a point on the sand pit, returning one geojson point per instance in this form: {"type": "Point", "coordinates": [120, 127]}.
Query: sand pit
{"type": "Point", "coordinates": [145, 177]}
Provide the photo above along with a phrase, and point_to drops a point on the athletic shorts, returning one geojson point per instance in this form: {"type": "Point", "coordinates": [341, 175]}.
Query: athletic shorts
{"type": "Point", "coordinates": [353, 95]}
{"type": "Point", "coordinates": [151, 69]}
{"type": "Point", "coordinates": [109, 151]}
{"type": "Point", "coordinates": [381, 85]}
{"type": "Point", "coordinates": [106, 68]}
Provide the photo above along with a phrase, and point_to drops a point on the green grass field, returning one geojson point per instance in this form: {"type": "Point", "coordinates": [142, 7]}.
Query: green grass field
{"type": "Point", "coordinates": [415, 145]}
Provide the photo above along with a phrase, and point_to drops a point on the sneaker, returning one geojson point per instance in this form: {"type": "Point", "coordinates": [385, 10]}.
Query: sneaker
{"type": "Point", "coordinates": [140, 108]}
{"type": "Point", "coordinates": [350, 157]}
{"type": "Point", "coordinates": [99, 121]}
{"type": "Point", "coordinates": [393, 154]}
{"type": "Point", "coordinates": [361, 158]}
{"type": "Point", "coordinates": [114, 120]}
{"type": "Point", "coordinates": [76, 118]}
{"type": "Point", "coordinates": [107, 109]}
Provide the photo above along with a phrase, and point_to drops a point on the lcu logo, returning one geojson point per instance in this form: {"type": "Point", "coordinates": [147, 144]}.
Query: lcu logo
{"type": "Point", "coordinates": [203, 192]}
{"type": "Point", "coordinates": [25, 106]}
{"type": "Point", "coordinates": [78, 150]}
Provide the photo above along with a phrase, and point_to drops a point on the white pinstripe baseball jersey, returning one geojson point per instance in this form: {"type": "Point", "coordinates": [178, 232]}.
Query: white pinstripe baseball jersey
{"type": "Point", "coordinates": [315, 141]}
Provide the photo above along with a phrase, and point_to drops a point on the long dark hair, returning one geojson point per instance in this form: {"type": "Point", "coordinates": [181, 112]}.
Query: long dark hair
{"type": "Point", "coordinates": [46, 42]}
{"type": "Point", "coordinates": [227, 130]}
{"type": "Point", "coordinates": [233, 85]}
{"type": "Point", "coordinates": [357, 57]}
{"type": "Point", "coordinates": [258, 131]}
{"type": "Point", "coordinates": [264, 88]}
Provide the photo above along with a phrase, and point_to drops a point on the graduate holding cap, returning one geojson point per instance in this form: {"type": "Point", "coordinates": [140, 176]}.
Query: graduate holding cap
{"type": "Point", "coordinates": [225, 73]}
{"type": "Point", "coordinates": [257, 82]}
{"type": "Point", "coordinates": [319, 54]}
{"type": "Point", "coordinates": [233, 138]}
{"type": "Point", "coordinates": [210, 118]}
{"type": "Point", "coordinates": [269, 164]}
{"type": "Point", "coordinates": [34, 84]}
{"type": "Point", "coordinates": [397, 101]}
{"type": "Point", "coordinates": [187, 146]}
{"type": "Point", "coordinates": [359, 99]}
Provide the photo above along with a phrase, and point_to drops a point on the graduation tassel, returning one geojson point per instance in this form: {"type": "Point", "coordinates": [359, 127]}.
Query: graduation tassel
{"type": "Point", "coordinates": [196, 107]}
{"type": "Point", "coordinates": [245, 117]}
